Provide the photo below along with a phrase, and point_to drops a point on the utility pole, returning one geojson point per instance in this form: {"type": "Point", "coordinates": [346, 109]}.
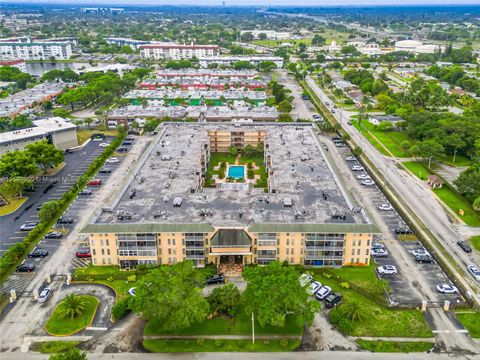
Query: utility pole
{"type": "Point", "coordinates": [454, 154]}
{"type": "Point", "coordinates": [253, 328]}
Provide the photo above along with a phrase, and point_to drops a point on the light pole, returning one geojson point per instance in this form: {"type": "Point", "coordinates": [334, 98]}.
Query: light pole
{"type": "Point", "coordinates": [454, 155]}
{"type": "Point", "coordinates": [253, 328]}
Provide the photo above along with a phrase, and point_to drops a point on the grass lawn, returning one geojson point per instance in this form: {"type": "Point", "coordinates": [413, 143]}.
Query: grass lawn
{"type": "Point", "coordinates": [220, 345]}
{"type": "Point", "coordinates": [274, 43]}
{"type": "Point", "coordinates": [51, 347]}
{"type": "Point", "coordinates": [58, 326]}
{"type": "Point", "coordinates": [393, 346]}
{"type": "Point", "coordinates": [13, 204]}
{"type": "Point", "coordinates": [85, 134]}
{"type": "Point", "coordinates": [475, 242]}
{"type": "Point", "coordinates": [460, 160]}
{"type": "Point", "coordinates": [389, 139]}
{"type": "Point", "coordinates": [418, 169]}
{"type": "Point", "coordinates": [240, 325]}
{"type": "Point", "coordinates": [471, 321]}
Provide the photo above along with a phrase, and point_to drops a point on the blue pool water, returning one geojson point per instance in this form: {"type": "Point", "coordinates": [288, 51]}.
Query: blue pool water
{"type": "Point", "coordinates": [236, 172]}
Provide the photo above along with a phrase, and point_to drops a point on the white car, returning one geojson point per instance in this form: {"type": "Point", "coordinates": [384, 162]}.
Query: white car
{"type": "Point", "coordinates": [368, 182]}
{"type": "Point", "coordinates": [386, 207]}
{"type": "Point", "coordinates": [305, 279]}
{"type": "Point", "coordinates": [377, 245]}
{"type": "Point", "coordinates": [379, 253]}
{"type": "Point", "coordinates": [357, 168]}
{"type": "Point", "coordinates": [474, 271]}
{"type": "Point", "coordinates": [113, 160]}
{"type": "Point", "coordinates": [447, 289]}
{"type": "Point", "coordinates": [314, 287]}
{"type": "Point", "coordinates": [387, 270]}
{"type": "Point", "coordinates": [420, 251]}
{"type": "Point", "coordinates": [363, 177]}
{"type": "Point", "coordinates": [103, 144]}
{"type": "Point", "coordinates": [44, 295]}
{"type": "Point", "coordinates": [350, 158]}
{"type": "Point", "coordinates": [323, 292]}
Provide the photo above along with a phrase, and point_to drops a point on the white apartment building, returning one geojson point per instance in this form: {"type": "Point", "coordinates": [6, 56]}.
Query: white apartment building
{"type": "Point", "coordinates": [230, 60]}
{"type": "Point", "coordinates": [270, 34]}
{"type": "Point", "coordinates": [177, 52]}
{"type": "Point", "coordinates": [19, 64]}
{"type": "Point", "coordinates": [26, 49]}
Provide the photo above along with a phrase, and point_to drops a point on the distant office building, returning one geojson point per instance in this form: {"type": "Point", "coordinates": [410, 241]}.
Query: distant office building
{"type": "Point", "coordinates": [134, 44]}
{"type": "Point", "coordinates": [26, 49]}
{"type": "Point", "coordinates": [177, 51]}
{"type": "Point", "coordinates": [87, 10]}
{"type": "Point", "coordinates": [268, 34]}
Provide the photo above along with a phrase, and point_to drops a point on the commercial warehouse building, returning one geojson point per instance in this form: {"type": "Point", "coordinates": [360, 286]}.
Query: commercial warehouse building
{"type": "Point", "coordinates": [56, 130]}
{"type": "Point", "coordinates": [165, 214]}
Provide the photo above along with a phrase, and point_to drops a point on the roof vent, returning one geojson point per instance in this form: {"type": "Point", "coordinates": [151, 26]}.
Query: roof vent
{"type": "Point", "coordinates": [177, 201]}
{"type": "Point", "coordinates": [287, 202]}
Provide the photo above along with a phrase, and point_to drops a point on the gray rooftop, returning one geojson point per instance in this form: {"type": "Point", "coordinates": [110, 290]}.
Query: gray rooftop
{"type": "Point", "coordinates": [170, 170]}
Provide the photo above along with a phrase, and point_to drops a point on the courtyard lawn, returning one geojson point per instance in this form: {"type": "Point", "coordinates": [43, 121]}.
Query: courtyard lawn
{"type": "Point", "coordinates": [394, 346]}
{"type": "Point", "coordinates": [418, 169]}
{"type": "Point", "coordinates": [390, 139]}
{"type": "Point", "coordinates": [85, 134]}
{"type": "Point", "coordinates": [51, 347]}
{"type": "Point", "coordinates": [58, 326]}
{"type": "Point", "coordinates": [171, 346]}
{"type": "Point", "coordinates": [471, 321]}
{"type": "Point", "coordinates": [475, 242]}
{"type": "Point", "coordinates": [219, 325]}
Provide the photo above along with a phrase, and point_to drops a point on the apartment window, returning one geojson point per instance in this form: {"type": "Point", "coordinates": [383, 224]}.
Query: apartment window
{"type": "Point", "coordinates": [367, 252]}
{"type": "Point", "coordinates": [92, 242]}
{"type": "Point", "coordinates": [291, 260]}
{"type": "Point", "coordinates": [103, 251]}
{"type": "Point", "coordinates": [353, 242]}
{"type": "Point", "coordinates": [368, 242]}
{"type": "Point", "coordinates": [352, 260]}
{"type": "Point", "coordinates": [174, 251]}
{"type": "Point", "coordinates": [173, 241]}
{"type": "Point", "coordinates": [358, 260]}
{"type": "Point", "coordinates": [359, 242]}
{"type": "Point", "coordinates": [101, 242]}
{"type": "Point", "coordinates": [94, 261]}
{"type": "Point", "coordinates": [292, 251]}
{"type": "Point", "coordinates": [169, 242]}
{"type": "Point", "coordinates": [169, 251]}
{"type": "Point", "coordinates": [358, 251]}
{"type": "Point", "coordinates": [103, 261]}
{"type": "Point", "coordinates": [94, 252]}
{"type": "Point", "coordinates": [109, 261]}
{"type": "Point", "coordinates": [366, 260]}
{"type": "Point", "coordinates": [353, 251]}
{"type": "Point", "coordinates": [108, 251]}
{"type": "Point", "coordinates": [288, 242]}
{"type": "Point", "coordinates": [107, 242]}
{"type": "Point", "coordinates": [286, 251]}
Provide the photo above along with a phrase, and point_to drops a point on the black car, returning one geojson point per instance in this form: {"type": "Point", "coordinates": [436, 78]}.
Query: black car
{"type": "Point", "coordinates": [127, 143]}
{"type": "Point", "coordinates": [122, 150]}
{"type": "Point", "coordinates": [105, 170]}
{"type": "Point", "coordinates": [41, 253]}
{"type": "Point", "coordinates": [39, 207]}
{"type": "Point", "coordinates": [424, 258]}
{"type": "Point", "coordinates": [85, 192]}
{"type": "Point", "coordinates": [25, 268]}
{"type": "Point", "coordinates": [65, 220]}
{"type": "Point", "coordinates": [53, 235]}
{"type": "Point", "coordinates": [216, 279]}
{"type": "Point", "coordinates": [465, 247]}
{"type": "Point", "coordinates": [403, 231]}
{"type": "Point", "coordinates": [332, 300]}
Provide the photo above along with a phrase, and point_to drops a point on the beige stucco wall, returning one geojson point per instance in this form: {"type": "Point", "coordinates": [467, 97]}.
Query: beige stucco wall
{"type": "Point", "coordinates": [356, 249]}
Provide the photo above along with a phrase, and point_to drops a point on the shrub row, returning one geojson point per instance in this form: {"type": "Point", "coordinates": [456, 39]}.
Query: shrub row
{"type": "Point", "coordinates": [121, 309]}
{"type": "Point", "coordinates": [18, 251]}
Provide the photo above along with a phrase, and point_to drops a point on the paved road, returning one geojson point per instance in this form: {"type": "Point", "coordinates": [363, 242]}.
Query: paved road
{"type": "Point", "coordinates": [75, 165]}
{"type": "Point", "coordinates": [300, 108]}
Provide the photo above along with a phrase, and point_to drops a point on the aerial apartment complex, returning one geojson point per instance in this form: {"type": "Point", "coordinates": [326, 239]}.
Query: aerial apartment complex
{"type": "Point", "coordinates": [26, 49]}
{"type": "Point", "coordinates": [175, 205]}
{"type": "Point", "coordinates": [169, 51]}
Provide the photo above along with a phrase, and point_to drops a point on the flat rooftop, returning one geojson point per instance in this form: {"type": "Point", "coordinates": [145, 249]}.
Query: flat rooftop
{"type": "Point", "coordinates": [169, 171]}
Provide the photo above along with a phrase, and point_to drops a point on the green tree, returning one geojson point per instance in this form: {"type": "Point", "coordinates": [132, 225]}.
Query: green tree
{"type": "Point", "coordinates": [468, 182]}
{"type": "Point", "coordinates": [48, 210]}
{"type": "Point", "coordinates": [61, 112]}
{"type": "Point", "coordinates": [17, 164]}
{"type": "Point", "coordinates": [88, 121]}
{"type": "Point", "coordinates": [272, 307]}
{"type": "Point", "coordinates": [72, 306]}
{"type": "Point", "coordinates": [476, 204]}
{"type": "Point", "coordinates": [16, 185]}
{"type": "Point", "coordinates": [353, 311]}
{"type": "Point", "coordinates": [172, 296]}
{"type": "Point", "coordinates": [71, 354]}
{"type": "Point", "coordinates": [233, 151]}
{"type": "Point", "coordinates": [225, 299]}
{"type": "Point", "coordinates": [285, 106]}
{"type": "Point", "coordinates": [45, 154]}
{"type": "Point", "coordinates": [405, 145]}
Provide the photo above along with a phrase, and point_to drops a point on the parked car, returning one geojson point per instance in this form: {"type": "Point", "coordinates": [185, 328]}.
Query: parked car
{"type": "Point", "coordinates": [387, 270]}
{"type": "Point", "coordinates": [41, 253]}
{"type": "Point", "coordinates": [95, 182]}
{"type": "Point", "coordinates": [122, 150]}
{"type": "Point", "coordinates": [105, 170]}
{"type": "Point", "coordinates": [403, 231]}
{"type": "Point", "coordinates": [465, 246]}
{"type": "Point", "coordinates": [332, 300]}
{"type": "Point", "coordinates": [323, 292]}
{"type": "Point", "coordinates": [65, 220]}
{"type": "Point", "coordinates": [29, 226]}
{"type": "Point", "coordinates": [85, 192]}
{"type": "Point", "coordinates": [127, 143]}
{"type": "Point", "coordinates": [378, 245]}
{"type": "Point", "coordinates": [351, 158]}
{"type": "Point", "coordinates": [363, 177]}
{"type": "Point", "coordinates": [53, 235]}
{"type": "Point", "coordinates": [368, 182]}
{"type": "Point", "coordinates": [424, 258]}
{"type": "Point", "coordinates": [83, 253]}
{"type": "Point", "coordinates": [385, 207]}
{"type": "Point", "coordinates": [447, 289]}
{"type": "Point", "coordinates": [305, 279]}
{"type": "Point", "coordinates": [113, 160]}
{"type": "Point", "coordinates": [333, 111]}
{"type": "Point", "coordinates": [420, 251]}
{"type": "Point", "coordinates": [216, 279]}
{"type": "Point", "coordinates": [25, 267]}
{"type": "Point", "coordinates": [379, 253]}
{"type": "Point", "coordinates": [314, 287]}
{"type": "Point", "coordinates": [357, 168]}
{"type": "Point", "coordinates": [43, 297]}
{"type": "Point", "coordinates": [474, 271]}
{"type": "Point", "coordinates": [103, 144]}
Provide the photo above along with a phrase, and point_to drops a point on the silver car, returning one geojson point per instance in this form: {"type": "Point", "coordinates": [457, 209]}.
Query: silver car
{"type": "Point", "coordinates": [44, 295]}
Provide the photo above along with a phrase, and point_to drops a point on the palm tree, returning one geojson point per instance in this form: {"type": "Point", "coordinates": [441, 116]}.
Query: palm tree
{"type": "Point", "coordinates": [353, 311]}
{"type": "Point", "coordinates": [72, 306]}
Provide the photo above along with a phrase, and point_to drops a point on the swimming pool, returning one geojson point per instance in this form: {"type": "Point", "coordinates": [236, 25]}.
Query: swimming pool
{"type": "Point", "coordinates": [236, 171]}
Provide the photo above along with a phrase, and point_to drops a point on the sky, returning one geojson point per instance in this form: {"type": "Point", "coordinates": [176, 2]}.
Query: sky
{"type": "Point", "coordinates": [258, 2]}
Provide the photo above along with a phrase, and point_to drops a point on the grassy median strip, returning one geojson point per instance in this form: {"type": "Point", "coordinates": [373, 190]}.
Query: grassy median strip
{"type": "Point", "coordinates": [471, 321]}
{"type": "Point", "coordinates": [395, 346]}
{"type": "Point", "coordinates": [51, 347]}
{"type": "Point", "coordinates": [57, 325]}
{"type": "Point", "coordinates": [207, 345]}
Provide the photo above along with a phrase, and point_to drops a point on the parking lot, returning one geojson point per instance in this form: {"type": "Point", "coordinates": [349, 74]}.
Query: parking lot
{"type": "Point", "coordinates": [405, 286]}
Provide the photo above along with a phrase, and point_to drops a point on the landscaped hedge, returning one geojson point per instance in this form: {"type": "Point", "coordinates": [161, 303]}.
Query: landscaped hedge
{"type": "Point", "coordinates": [121, 309]}
{"type": "Point", "coordinates": [18, 251]}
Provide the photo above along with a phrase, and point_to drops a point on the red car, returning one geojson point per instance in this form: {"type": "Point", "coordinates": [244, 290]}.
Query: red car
{"type": "Point", "coordinates": [83, 253]}
{"type": "Point", "coordinates": [95, 182]}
